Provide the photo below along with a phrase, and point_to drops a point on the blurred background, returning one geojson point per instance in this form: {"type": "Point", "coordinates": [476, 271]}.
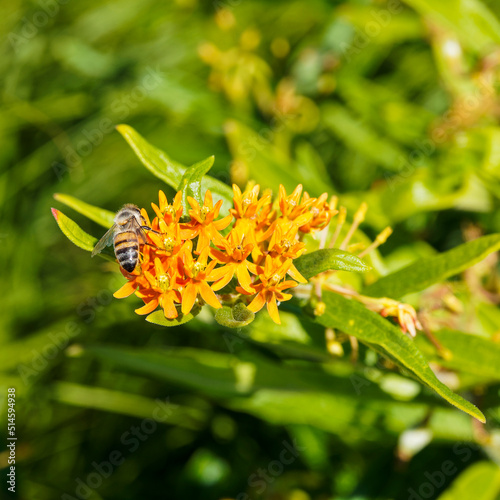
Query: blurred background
{"type": "Point", "coordinates": [393, 103]}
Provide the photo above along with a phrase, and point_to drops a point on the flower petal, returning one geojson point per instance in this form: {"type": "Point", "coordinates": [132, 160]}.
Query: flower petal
{"type": "Point", "coordinates": [303, 219]}
{"type": "Point", "coordinates": [257, 303]}
{"type": "Point", "coordinates": [157, 210]}
{"type": "Point", "coordinates": [294, 273]}
{"type": "Point", "coordinates": [244, 277]}
{"type": "Point", "coordinates": [162, 199]}
{"type": "Point", "coordinates": [220, 272]}
{"type": "Point", "coordinates": [272, 308]}
{"type": "Point", "coordinates": [146, 217]}
{"type": "Point", "coordinates": [147, 308]}
{"type": "Point", "coordinates": [203, 241]}
{"type": "Point", "coordinates": [126, 290]}
{"type": "Point", "coordinates": [226, 275]}
{"type": "Point", "coordinates": [189, 295]}
{"type": "Point", "coordinates": [223, 223]}
{"type": "Point", "coordinates": [219, 256]}
{"type": "Point", "coordinates": [169, 308]}
{"type": "Point", "coordinates": [209, 296]}
{"type": "Point", "coordinates": [208, 201]}
{"type": "Point", "coordinates": [283, 296]}
{"type": "Point", "coordinates": [287, 284]}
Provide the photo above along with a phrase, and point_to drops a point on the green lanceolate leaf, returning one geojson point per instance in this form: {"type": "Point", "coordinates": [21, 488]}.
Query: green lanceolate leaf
{"type": "Point", "coordinates": [154, 159]}
{"type": "Point", "coordinates": [170, 171]}
{"type": "Point", "coordinates": [328, 259]}
{"type": "Point", "coordinates": [74, 232]}
{"type": "Point", "coordinates": [234, 317]}
{"type": "Point", "coordinates": [158, 318]}
{"type": "Point", "coordinates": [99, 215]}
{"type": "Point", "coordinates": [354, 319]}
{"type": "Point", "coordinates": [425, 272]}
{"type": "Point", "coordinates": [78, 236]}
{"type": "Point", "coordinates": [466, 352]}
{"type": "Point", "coordinates": [190, 184]}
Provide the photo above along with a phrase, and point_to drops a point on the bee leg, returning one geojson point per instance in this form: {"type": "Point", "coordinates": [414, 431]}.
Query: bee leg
{"type": "Point", "coordinates": [149, 229]}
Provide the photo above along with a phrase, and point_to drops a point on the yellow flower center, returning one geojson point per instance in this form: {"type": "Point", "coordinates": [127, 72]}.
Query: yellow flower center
{"type": "Point", "coordinates": [197, 268]}
{"type": "Point", "coordinates": [286, 244]}
{"type": "Point", "coordinates": [274, 280]}
{"type": "Point", "coordinates": [170, 210]}
{"type": "Point", "coordinates": [163, 282]}
{"type": "Point", "coordinates": [204, 212]}
{"type": "Point", "coordinates": [169, 243]}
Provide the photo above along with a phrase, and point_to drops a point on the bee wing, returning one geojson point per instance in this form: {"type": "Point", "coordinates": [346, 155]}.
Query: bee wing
{"type": "Point", "coordinates": [105, 241]}
{"type": "Point", "coordinates": [139, 230]}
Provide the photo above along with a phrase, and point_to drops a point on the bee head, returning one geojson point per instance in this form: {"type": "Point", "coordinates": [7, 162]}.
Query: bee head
{"type": "Point", "coordinates": [126, 213]}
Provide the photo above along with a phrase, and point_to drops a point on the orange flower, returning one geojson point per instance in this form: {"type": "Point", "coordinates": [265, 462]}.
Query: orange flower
{"type": "Point", "coordinates": [263, 241]}
{"type": "Point", "coordinates": [247, 205]}
{"type": "Point", "coordinates": [168, 238]}
{"type": "Point", "coordinates": [234, 260]}
{"type": "Point", "coordinates": [270, 288]}
{"type": "Point", "coordinates": [291, 211]}
{"type": "Point", "coordinates": [321, 213]}
{"type": "Point", "coordinates": [251, 214]}
{"type": "Point", "coordinates": [162, 290]}
{"type": "Point", "coordinates": [196, 274]}
{"type": "Point", "coordinates": [290, 207]}
{"type": "Point", "coordinates": [203, 224]}
{"type": "Point", "coordinates": [284, 246]}
{"type": "Point", "coordinates": [171, 214]}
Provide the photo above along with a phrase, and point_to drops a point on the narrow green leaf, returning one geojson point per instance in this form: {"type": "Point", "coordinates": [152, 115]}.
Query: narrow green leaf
{"type": "Point", "coordinates": [354, 319]}
{"type": "Point", "coordinates": [73, 231]}
{"type": "Point", "coordinates": [103, 217]}
{"type": "Point", "coordinates": [234, 317]}
{"type": "Point", "coordinates": [158, 318]}
{"type": "Point", "coordinates": [78, 236]}
{"type": "Point", "coordinates": [468, 353]}
{"type": "Point", "coordinates": [326, 259]}
{"type": "Point", "coordinates": [170, 171]}
{"type": "Point", "coordinates": [425, 272]}
{"type": "Point", "coordinates": [190, 184]}
{"type": "Point", "coordinates": [155, 160]}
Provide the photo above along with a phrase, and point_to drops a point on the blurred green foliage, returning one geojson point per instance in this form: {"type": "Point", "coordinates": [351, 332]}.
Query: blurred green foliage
{"type": "Point", "coordinates": [391, 103]}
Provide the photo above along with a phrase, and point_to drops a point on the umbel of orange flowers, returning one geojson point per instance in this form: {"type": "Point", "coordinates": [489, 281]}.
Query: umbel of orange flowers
{"type": "Point", "coordinates": [186, 262]}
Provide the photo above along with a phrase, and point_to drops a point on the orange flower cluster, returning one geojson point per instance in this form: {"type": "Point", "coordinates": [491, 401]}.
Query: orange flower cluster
{"type": "Point", "coordinates": [188, 261]}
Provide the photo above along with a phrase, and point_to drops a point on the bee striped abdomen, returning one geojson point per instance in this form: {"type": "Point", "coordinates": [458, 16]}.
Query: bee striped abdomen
{"type": "Point", "coordinates": [127, 250]}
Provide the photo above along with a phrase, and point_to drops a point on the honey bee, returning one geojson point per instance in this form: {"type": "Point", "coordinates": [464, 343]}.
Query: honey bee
{"type": "Point", "coordinates": [127, 235]}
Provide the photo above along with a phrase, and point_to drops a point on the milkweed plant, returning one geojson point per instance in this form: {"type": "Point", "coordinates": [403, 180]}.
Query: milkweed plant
{"type": "Point", "coordinates": [242, 249]}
